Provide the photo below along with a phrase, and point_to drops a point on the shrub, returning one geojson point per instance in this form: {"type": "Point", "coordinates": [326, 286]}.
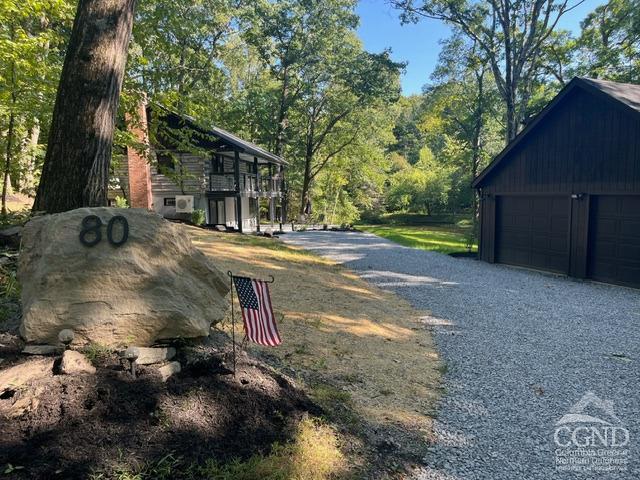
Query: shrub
{"type": "Point", "coordinates": [198, 217]}
{"type": "Point", "coordinates": [121, 202]}
{"type": "Point", "coordinates": [19, 217]}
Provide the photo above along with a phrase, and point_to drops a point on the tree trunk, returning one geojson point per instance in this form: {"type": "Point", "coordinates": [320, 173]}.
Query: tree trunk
{"type": "Point", "coordinates": [76, 166]}
{"type": "Point", "coordinates": [308, 159]}
{"type": "Point", "coordinates": [511, 121]}
{"type": "Point", "coordinates": [477, 146]}
{"type": "Point", "coordinates": [281, 122]}
{"type": "Point", "coordinates": [10, 133]}
{"type": "Point", "coordinates": [306, 183]}
{"type": "Point", "coordinates": [7, 164]}
{"type": "Point", "coordinates": [28, 177]}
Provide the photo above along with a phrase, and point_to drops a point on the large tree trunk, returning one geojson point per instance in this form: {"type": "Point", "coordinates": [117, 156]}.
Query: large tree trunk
{"type": "Point", "coordinates": [7, 165]}
{"type": "Point", "coordinates": [10, 131]}
{"type": "Point", "coordinates": [306, 184]}
{"type": "Point", "coordinates": [281, 121]}
{"type": "Point", "coordinates": [476, 146]}
{"type": "Point", "coordinates": [76, 166]}
{"type": "Point", "coordinates": [308, 160]}
{"type": "Point", "coordinates": [511, 113]}
{"type": "Point", "coordinates": [30, 157]}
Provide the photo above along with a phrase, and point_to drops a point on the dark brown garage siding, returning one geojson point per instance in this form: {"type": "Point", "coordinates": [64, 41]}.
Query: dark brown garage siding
{"type": "Point", "coordinates": [614, 239]}
{"type": "Point", "coordinates": [532, 231]}
{"type": "Point", "coordinates": [564, 196]}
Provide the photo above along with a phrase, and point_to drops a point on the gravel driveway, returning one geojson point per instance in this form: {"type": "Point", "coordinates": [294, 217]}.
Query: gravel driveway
{"type": "Point", "coordinates": [521, 349]}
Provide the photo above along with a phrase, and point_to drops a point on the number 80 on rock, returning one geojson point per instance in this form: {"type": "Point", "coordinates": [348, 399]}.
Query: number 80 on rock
{"type": "Point", "coordinates": [91, 231]}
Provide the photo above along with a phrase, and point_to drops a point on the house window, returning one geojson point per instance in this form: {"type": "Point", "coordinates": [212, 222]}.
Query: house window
{"type": "Point", "coordinates": [217, 164]}
{"type": "Point", "coordinates": [170, 201]}
{"type": "Point", "coordinates": [165, 162]}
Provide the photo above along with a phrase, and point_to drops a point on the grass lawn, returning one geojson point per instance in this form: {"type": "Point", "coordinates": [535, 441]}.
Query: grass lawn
{"type": "Point", "coordinates": [439, 238]}
{"type": "Point", "coordinates": [361, 352]}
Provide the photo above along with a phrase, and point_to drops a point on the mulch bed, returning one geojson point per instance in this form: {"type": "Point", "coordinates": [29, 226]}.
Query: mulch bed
{"type": "Point", "coordinates": [96, 422]}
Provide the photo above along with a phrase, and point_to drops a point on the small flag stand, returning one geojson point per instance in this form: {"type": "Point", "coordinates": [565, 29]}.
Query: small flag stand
{"type": "Point", "coordinates": [255, 304]}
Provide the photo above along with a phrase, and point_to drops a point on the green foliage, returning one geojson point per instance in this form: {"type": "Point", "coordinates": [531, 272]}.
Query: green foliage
{"type": "Point", "coordinates": [18, 217]}
{"type": "Point", "coordinates": [10, 287]}
{"type": "Point", "coordinates": [408, 219]}
{"type": "Point", "coordinates": [198, 217]}
{"type": "Point", "coordinates": [9, 469]}
{"type": "Point", "coordinates": [609, 44]}
{"type": "Point", "coordinates": [422, 187]}
{"type": "Point", "coordinates": [292, 76]}
{"type": "Point", "coordinates": [97, 352]}
{"type": "Point", "coordinates": [121, 202]}
{"type": "Point", "coordinates": [33, 35]}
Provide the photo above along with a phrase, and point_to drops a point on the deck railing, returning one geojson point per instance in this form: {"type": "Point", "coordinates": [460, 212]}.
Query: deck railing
{"type": "Point", "coordinates": [225, 182]}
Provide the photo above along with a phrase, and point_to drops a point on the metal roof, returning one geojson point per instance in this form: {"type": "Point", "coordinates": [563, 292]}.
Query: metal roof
{"type": "Point", "coordinates": [246, 146]}
{"type": "Point", "coordinates": [227, 139]}
{"type": "Point", "coordinates": [626, 95]}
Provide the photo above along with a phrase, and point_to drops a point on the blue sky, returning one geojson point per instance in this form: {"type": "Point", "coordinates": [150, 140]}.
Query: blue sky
{"type": "Point", "coordinates": [419, 44]}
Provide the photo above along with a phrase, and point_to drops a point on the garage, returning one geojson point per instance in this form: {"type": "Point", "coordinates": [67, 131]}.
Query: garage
{"type": "Point", "coordinates": [531, 231]}
{"type": "Point", "coordinates": [614, 240]}
{"type": "Point", "coordinates": [564, 195]}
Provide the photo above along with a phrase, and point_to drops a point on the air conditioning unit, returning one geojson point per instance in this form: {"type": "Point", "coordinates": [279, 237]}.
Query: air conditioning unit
{"type": "Point", "coordinates": [184, 203]}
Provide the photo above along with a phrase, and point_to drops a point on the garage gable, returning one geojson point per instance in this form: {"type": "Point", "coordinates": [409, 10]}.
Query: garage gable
{"type": "Point", "coordinates": [572, 139]}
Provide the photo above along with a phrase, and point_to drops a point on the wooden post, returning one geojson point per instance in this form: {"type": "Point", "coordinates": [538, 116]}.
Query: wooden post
{"type": "Point", "coordinates": [236, 174]}
{"type": "Point", "coordinates": [256, 167]}
{"type": "Point", "coordinates": [271, 199]}
{"type": "Point", "coordinates": [579, 234]}
{"type": "Point", "coordinates": [283, 198]}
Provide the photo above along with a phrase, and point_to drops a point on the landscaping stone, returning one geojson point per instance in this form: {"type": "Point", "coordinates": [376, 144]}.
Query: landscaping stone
{"type": "Point", "coordinates": [169, 369]}
{"type": "Point", "coordinates": [41, 349]}
{"type": "Point", "coordinates": [10, 237]}
{"type": "Point", "coordinates": [75, 363]}
{"type": "Point", "coordinates": [148, 356]}
{"type": "Point", "coordinates": [17, 376]}
{"type": "Point", "coordinates": [154, 286]}
{"type": "Point", "coordinates": [66, 336]}
{"type": "Point", "coordinates": [25, 402]}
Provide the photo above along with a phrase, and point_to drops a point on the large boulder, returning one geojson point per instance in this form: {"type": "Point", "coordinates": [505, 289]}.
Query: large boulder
{"type": "Point", "coordinates": [156, 285]}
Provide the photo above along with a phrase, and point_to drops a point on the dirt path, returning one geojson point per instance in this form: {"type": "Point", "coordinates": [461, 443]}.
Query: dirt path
{"type": "Point", "coordinates": [353, 344]}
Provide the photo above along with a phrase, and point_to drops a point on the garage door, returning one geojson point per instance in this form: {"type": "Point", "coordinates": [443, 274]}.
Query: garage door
{"type": "Point", "coordinates": [532, 231]}
{"type": "Point", "coordinates": [614, 239]}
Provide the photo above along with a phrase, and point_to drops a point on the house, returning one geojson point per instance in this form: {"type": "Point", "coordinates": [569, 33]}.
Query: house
{"type": "Point", "coordinates": [564, 195]}
{"type": "Point", "coordinates": [189, 167]}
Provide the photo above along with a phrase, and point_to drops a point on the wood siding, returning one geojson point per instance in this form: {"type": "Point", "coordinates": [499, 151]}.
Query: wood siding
{"type": "Point", "coordinates": [586, 145]}
{"type": "Point", "coordinates": [193, 179]}
{"type": "Point", "coordinates": [584, 154]}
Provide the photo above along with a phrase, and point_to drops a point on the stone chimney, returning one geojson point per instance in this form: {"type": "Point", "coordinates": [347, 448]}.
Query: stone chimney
{"type": "Point", "coordinates": [138, 162]}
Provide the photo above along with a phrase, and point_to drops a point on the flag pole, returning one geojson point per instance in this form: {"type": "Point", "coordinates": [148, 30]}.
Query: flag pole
{"type": "Point", "coordinates": [233, 324]}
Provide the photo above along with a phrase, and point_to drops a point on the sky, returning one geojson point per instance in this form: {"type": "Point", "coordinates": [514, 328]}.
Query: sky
{"type": "Point", "coordinates": [418, 44]}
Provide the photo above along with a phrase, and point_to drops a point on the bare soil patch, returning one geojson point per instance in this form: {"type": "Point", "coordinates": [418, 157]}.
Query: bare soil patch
{"type": "Point", "coordinates": [110, 421]}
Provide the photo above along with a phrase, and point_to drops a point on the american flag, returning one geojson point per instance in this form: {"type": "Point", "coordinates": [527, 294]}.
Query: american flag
{"type": "Point", "coordinates": [257, 314]}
